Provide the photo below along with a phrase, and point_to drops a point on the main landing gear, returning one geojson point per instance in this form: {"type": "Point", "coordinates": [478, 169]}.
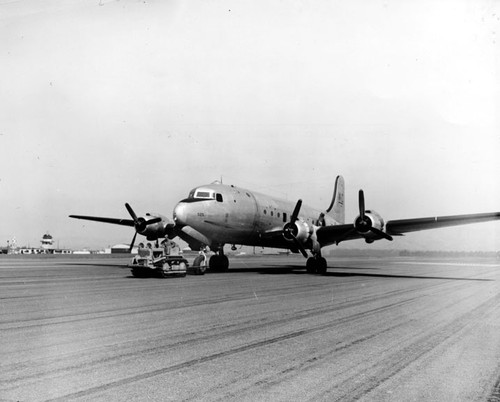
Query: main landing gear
{"type": "Point", "coordinates": [316, 265]}
{"type": "Point", "coordinates": [218, 262]}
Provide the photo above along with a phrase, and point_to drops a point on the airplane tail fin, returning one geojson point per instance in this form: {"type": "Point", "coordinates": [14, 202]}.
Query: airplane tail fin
{"type": "Point", "coordinates": [337, 208]}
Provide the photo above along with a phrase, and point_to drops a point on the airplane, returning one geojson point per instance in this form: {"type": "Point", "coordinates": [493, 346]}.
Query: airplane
{"type": "Point", "coordinates": [217, 214]}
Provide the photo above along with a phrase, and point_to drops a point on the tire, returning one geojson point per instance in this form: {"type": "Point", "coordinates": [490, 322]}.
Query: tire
{"type": "Point", "coordinates": [321, 266]}
{"type": "Point", "coordinates": [311, 265]}
{"type": "Point", "coordinates": [224, 263]}
{"type": "Point", "coordinates": [213, 263]}
{"type": "Point", "coordinates": [218, 263]}
{"type": "Point", "coordinates": [199, 265]}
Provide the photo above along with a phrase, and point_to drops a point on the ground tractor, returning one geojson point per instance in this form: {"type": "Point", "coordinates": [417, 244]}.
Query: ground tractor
{"type": "Point", "coordinates": [164, 262]}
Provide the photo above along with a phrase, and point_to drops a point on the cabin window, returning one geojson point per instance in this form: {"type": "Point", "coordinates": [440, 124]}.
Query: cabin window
{"type": "Point", "coordinates": [284, 216]}
{"type": "Point", "coordinates": [272, 213]}
{"type": "Point", "coordinates": [218, 197]}
{"type": "Point", "coordinates": [265, 212]}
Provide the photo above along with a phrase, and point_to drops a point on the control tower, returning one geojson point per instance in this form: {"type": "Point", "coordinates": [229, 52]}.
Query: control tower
{"type": "Point", "coordinates": [47, 244]}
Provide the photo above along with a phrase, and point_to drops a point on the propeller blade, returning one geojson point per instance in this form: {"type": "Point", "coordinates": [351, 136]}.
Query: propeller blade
{"type": "Point", "coordinates": [299, 246]}
{"type": "Point", "coordinates": [132, 244]}
{"type": "Point", "coordinates": [154, 220]}
{"type": "Point", "coordinates": [296, 211]}
{"type": "Point", "coordinates": [380, 233]}
{"type": "Point", "coordinates": [132, 213]}
{"type": "Point", "coordinates": [361, 198]}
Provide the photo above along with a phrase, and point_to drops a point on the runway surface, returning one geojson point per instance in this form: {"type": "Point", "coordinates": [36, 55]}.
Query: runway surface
{"type": "Point", "coordinates": [399, 329]}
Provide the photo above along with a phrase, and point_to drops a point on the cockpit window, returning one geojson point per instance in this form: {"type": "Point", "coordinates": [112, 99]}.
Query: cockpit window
{"type": "Point", "coordinates": [218, 197]}
{"type": "Point", "coordinates": [202, 194]}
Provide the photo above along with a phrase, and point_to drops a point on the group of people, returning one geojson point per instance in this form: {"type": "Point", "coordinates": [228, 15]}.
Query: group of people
{"type": "Point", "coordinates": [169, 248]}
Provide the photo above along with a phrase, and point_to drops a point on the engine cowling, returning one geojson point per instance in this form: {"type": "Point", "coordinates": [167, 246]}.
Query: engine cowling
{"type": "Point", "coordinates": [365, 224]}
{"type": "Point", "coordinates": [298, 229]}
{"type": "Point", "coordinates": [156, 230]}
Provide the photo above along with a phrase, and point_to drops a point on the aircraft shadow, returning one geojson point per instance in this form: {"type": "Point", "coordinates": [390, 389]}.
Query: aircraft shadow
{"type": "Point", "coordinates": [300, 270]}
{"type": "Point", "coordinates": [84, 264]}
{"type": "Point", "coordinates": [349, 274]}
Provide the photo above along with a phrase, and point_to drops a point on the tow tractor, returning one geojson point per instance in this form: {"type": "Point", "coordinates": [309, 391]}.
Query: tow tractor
{"type": "Point", "coordinates": [160, 262]}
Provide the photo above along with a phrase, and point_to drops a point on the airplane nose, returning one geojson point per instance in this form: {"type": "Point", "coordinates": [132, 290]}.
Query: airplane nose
{"type": "Point", "coordinates": [180, 214]}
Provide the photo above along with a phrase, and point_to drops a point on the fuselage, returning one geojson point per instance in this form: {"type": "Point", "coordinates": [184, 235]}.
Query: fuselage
{"type": "Point", "coordinates": [229, 214]}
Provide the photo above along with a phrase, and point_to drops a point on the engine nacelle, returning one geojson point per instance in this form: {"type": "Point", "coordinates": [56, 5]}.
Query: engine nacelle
{"type": "Point", "coordinates": [156, 230]}
{"type": "Point", "coordinates": [298, 229]}
{"type": "Point", "coordinates": [365, 224]}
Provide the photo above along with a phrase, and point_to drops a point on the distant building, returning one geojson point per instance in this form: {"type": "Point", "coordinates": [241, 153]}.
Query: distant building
{"type": "Point", "coordinates": [47, 244]}
{"type": "Point", "coordinates": [122, 249]}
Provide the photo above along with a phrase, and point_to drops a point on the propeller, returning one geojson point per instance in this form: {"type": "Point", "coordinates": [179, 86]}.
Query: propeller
{"type": "Point", "coordinates": [290, 229]}
{"type": "Point", "coordinates": [140, 224]}
{"type": "Point", "coordinates": [363, 223]}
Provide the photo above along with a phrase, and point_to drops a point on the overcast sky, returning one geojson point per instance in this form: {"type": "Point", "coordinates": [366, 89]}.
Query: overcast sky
{"type": "Point", "coordinates": [107, 102]}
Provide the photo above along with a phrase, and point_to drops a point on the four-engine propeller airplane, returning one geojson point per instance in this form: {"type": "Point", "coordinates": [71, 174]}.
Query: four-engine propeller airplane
{"type": "Point", "coordinates": [216, 214]}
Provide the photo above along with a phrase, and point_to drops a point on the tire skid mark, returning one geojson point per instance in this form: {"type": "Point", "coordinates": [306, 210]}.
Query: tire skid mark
{"type": "Point", "coordinates": [495, 393]}
{"type": "Point", "coordinates": [248, 325]}
{"type": "Point", "coordinates": [206, 336]}
{"type": "Point", "coordinates": [64, 319]}
{"type": "Point", "coordinates": [396, 362]}
{"type": "Point", "coordinates": [271, 379]}
{"type": "Point", "coordinates": [304, 314]}
{"type": "Point", "coordinates": [219, 355]}
{"type": "Point", "coordinates": [240, 296]}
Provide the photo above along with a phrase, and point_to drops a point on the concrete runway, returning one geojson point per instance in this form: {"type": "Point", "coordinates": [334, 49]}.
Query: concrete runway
{"type": "Point", "coordinates": [400, 329]}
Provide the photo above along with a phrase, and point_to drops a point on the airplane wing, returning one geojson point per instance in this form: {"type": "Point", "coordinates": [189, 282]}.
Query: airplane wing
{"type": "Point", "coordinates": [116, 221]}
{"type": "Point", "coordinates": [337, 233]}
{"type": "Point", "coordinates": [400, 226]}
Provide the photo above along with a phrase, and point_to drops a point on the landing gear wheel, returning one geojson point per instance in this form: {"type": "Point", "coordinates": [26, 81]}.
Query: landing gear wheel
{"type": "Point", "coordinates": [316, 265]}
{"type": "Point", "coordinates": [199, 265]}
{"type": "Point", "coordinates": [224, 263]}
{"type": "Point", "coordinates": [219, 263]}
{"type": "Point", "coordinates": [311, 265]}
{"type": "Point", "coordinates": [321, 266]}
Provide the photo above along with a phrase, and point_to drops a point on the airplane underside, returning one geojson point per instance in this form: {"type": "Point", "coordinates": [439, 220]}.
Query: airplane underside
{"type": "Point", "coordinates": [219, 262]}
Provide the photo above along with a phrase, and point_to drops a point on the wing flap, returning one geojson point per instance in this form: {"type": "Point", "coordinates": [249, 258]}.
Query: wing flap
{"type": "Point", "coordinates": [400, 226]}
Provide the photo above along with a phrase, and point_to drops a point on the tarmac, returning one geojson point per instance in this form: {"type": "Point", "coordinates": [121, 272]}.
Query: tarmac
{"type": "Point", "coordinates": [372, 329]}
